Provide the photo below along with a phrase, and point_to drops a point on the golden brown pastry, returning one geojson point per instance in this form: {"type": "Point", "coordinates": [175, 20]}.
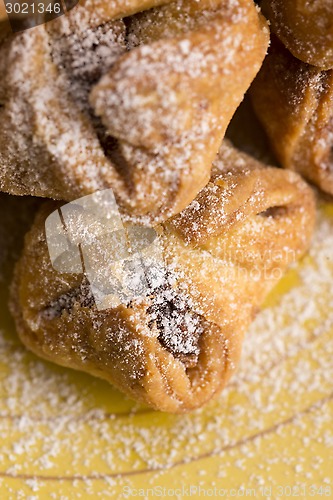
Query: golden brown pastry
{"type": "Point", "coordinates": [305, 27]}
{"type": "Point", "coordinates": [157, 117]}
{"type": "Point", "coordinates": [96, 12]}
{"type": "Point", "coordinates": [102, 11]}
{"type": "Point", "coordinates": [294, 102]}
{"type": "Point", "coordinates": [176, 346]}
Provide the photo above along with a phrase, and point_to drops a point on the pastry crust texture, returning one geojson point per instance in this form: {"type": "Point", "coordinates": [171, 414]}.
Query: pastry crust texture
{"type": "Point", "coordinates": [176, 347]}
{"type": "Point", "coordinates": [81, 112]}
{"type": "Point", "coordinates": [305, 27]}
{"type": "Point", "coordinates": [294, 102]}
{"type": "Point", "coordinates": [100, 11]}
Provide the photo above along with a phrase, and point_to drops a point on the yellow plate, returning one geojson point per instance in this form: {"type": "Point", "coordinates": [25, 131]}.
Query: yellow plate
{"type": "Point", "coordinates": [269, 435]}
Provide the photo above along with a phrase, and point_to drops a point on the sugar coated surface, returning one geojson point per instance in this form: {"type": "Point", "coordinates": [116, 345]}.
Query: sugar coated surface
{"type": "Point", "coordinates": [77, 437]}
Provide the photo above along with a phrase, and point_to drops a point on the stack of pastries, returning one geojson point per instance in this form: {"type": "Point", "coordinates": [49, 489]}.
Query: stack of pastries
{"type": "Point", "coordinates": [137, 97]}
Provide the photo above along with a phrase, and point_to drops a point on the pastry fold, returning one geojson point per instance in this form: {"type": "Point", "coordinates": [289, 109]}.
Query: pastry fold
{"type": "Point", "coordinates": [156, 119]}
{"type": "Point", "coordinates": [305, 27]}
{"type": "Point", "coordinates": [294, 102]}
{"type": "Point", "coordinates": [176, 346]}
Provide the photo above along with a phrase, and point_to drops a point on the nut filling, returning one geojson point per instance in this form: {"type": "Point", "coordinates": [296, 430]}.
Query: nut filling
{"type": "Point", "coordinates": [180, 328]}
{"type": "Point", "coordinates": [79, 295]}
{"type": "Point", "coordinates": [84, 57]}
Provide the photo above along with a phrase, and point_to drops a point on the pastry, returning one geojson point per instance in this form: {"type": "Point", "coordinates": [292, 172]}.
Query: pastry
{"type": "Point", "coordinates": [305, 27]}
{"type": "Point", "coordinates": [176, 346]}
{"type": "Point", "coordinates": [294, 102]}
{"type": "Point", "coordinates": [102, 11]}
{"type": "Point", "coordinates": [97, 12]}
{"type": "Point", "coordinates": [153, 123]}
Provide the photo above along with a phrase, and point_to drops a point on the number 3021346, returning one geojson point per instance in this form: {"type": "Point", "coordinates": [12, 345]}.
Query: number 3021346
{"type": "Point", "coordinates": [33, 8]}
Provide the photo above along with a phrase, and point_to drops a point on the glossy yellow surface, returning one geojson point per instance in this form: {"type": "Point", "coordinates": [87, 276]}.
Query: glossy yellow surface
{"type": "Point", "coordinates": [269, 435]}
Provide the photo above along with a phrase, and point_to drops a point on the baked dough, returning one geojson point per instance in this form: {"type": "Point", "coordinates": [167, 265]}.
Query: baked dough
{"type": "Point", "coordinates": [305, 27]}
{"type": "Point", "coordinates": [178, 345]}
{"type": "Point", "coordinates": [164, 106]}
{"type": "Point", "coordinates": [102, 11]}
{"type": "Point", "coordinates": [294, 102]}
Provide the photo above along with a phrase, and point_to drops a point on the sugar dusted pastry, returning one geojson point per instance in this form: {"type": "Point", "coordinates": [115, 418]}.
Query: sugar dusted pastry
{"type": "Point", "coordinates": [294, 102]}
{"type": "Point", "coordinates": [101, 11]}
{"type": "Point", "coordinates": [155, 119]}
{"type": "Point", "coordinates": [177, 346]}
{"type": "Point", "coordinates": [305, 27]}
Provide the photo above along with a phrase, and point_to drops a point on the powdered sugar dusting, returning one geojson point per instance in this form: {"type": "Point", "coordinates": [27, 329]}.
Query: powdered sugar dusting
{"type": "Point", "coordinates": [282, 389]}
{"type": "Point", "coordinates": [158, 131]}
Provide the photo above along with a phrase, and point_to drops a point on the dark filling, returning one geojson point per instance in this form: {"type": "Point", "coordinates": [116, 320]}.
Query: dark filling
{"type": "Point", "coordinates": [84, 60]}
{"type": "Point", "coordinates": [86, 56]}
{"type": "Point", "coordinates": [274, 212]}
{"type": "Point", "coordinates": [112, 150]}
{"type": "Point", "coordinates": [179, 327]}
{"type": "Point", "coordinates": [80, 295]}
